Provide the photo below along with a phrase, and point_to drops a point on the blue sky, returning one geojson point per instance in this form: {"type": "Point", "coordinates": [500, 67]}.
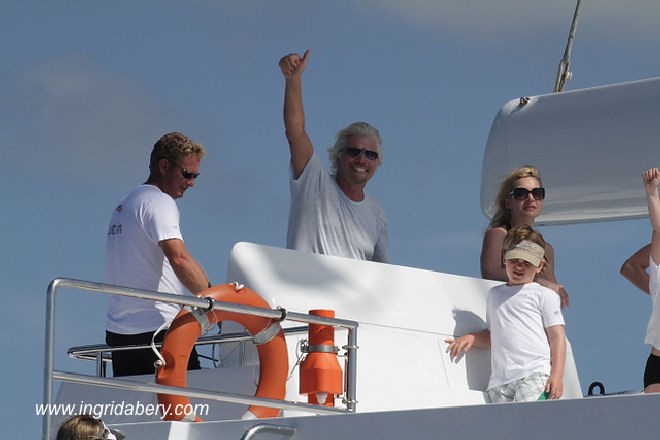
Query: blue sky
{"type": "Point", "coordinates": [87, 87]}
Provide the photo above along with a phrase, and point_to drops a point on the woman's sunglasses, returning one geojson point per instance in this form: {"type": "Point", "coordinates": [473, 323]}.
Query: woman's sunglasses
{"type": "Point", "coordinates": [522, 193]}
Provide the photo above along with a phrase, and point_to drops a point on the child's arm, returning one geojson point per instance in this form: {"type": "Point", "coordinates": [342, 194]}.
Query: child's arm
{"type": "Point", "coordinates": [557, 340]}
{"type": "Point", "coordinates": [463, 343]}
{"type": "Point", "coordinates": [651, 179]}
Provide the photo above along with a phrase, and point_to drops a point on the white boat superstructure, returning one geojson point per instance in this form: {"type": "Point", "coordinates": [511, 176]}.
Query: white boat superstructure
{"type": "Point", "coordinates": [406, 384]}
{"type": "Point", "coordinates": [591, 145]}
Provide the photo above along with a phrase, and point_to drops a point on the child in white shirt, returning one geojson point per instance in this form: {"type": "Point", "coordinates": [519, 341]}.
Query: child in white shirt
{"type": "Point", "coordinates": [525, 327]}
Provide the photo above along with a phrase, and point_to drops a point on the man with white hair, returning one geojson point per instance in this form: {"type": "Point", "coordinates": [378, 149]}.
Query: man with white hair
{"type": "Point", "coordinates": [331, 213]}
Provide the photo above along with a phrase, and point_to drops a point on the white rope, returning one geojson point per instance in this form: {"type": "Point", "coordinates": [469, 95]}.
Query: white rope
{"type": "Point", "coordinates": [299, 355]}
{"type": "Point", "coordinates": [160, 362]}
{"type": "Point", "coordinates": [237, 286]}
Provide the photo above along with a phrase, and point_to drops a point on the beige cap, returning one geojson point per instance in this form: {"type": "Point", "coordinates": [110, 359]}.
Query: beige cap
{"type": "Point", "coordinates": [526, 250]}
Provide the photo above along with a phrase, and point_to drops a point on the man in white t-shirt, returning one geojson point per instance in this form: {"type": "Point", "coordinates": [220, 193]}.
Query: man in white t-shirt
{"type": "Point", "coordinates": [145, 250]}
{"type": "Point", "coordinates": [331, 213]}
{"type": "Point", "coordinates": [525, 327]}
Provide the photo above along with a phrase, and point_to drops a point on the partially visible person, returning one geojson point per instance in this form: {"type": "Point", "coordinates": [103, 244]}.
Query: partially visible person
{"type": "Point", "coordinates": [87, 427]}
{"type": "Point", "coordinates": [651, 179]}
{"type": "Point", "coordinates": [145, 250]}
{"type": "Point", "coordinates": [634, 268]}
{"type": "Point", "coordinates": [331, 213]}
{"type": "Point", "coordinates": [525, 327]}
{"type": "Point", "coordinates": [519, 202]}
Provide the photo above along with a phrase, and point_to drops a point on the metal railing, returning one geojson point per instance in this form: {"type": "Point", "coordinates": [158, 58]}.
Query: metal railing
{"type": "Point", "coordinates": [100, 352]}
{"type": "Point", "coordinates": [50, 374]}
{"type": "Point", "coordinates": [268, 428]}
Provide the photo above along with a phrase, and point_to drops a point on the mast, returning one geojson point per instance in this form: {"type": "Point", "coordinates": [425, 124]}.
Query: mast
{"type": "Point", "coordinates": [563, 72]}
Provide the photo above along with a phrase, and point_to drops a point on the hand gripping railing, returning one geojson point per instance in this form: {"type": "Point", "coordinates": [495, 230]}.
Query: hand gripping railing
{"type": "Point", "coordinates": [206, 303]}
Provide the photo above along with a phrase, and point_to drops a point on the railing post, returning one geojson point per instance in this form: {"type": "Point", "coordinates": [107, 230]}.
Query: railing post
{"type": "Point", "coordinates": [351, 370]}
{"type": "Point", "coordinates": [49, 350]}
{"type": "Point", "coordinates": [100, 366]}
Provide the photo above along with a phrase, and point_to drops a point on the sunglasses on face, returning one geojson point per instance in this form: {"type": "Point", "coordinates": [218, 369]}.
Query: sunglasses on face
{"type": "Point", "coordinates": [354, 153]}
{"type": "Point", "coordinates": [187, 174]}
{"type": "Point", "coordinates": [522, 193]}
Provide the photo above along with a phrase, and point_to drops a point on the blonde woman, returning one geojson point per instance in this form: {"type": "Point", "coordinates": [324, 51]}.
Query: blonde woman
{"type": "Point", "coordinates": [519, 202]}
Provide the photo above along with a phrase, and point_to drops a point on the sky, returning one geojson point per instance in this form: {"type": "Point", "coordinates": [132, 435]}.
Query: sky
{"type": "Point", "coordinates": [87, 87]}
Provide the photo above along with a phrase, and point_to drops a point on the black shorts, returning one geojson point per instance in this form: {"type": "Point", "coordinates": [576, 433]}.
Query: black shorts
{"type": "Point", "coordinates": [136, 362]}
{"type": "Point", "coordinates": [652, 370]}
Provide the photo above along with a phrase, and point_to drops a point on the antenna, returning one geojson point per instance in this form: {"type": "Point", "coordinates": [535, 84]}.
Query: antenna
{"type": "Point", "coordinates": [563, 72]}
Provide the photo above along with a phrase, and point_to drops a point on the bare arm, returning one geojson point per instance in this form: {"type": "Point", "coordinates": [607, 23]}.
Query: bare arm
{"type": "Point", "coordinates": [464, 343]}
{"type": "Point", "coordinates": [492, 258]}
{"type": "Point", "coordinates": [634, 268]}
{"type": "Point", "coordinates": [557, 340]}
{"type": "Point", "coordinates": [547, 276]}
{"type": "Point", "coordinates": [186, 268]}
{"type": "Point", "coordinates": [300, 146]}
{"type": "Point", "coordinates": [651, 179]}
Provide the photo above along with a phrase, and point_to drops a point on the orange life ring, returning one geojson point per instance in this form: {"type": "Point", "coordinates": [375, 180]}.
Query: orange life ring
{"type": "Point", "coordinates": [184, 331]}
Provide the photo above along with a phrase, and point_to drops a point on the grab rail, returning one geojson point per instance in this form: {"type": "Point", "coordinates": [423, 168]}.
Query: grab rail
{"type": "Point", "coordinates": [268, 428]}
{"type": "Point", "coordinates": [50, 374]}
{"type": "Point", "coordinates": [96, 352]}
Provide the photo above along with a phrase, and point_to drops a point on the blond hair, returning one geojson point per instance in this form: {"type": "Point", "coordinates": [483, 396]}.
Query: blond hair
{"type": "Point", "coordinates": [502, 216]}
{"type": "Point", "coordinates": [173, 147]}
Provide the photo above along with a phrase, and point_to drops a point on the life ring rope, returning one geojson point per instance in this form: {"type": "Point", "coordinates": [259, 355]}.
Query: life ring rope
{"type": "Point", "coordinates": [161, 360]}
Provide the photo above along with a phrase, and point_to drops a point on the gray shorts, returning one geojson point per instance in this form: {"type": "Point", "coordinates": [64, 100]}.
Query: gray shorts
{"type": "Point", "coordinates": [522, 390]}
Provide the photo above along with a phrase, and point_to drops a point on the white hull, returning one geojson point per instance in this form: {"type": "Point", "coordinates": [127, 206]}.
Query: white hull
{"type": "Point", "coordinates": [407, 386]}
{"type": "Point", "coordinates": [602, 418]}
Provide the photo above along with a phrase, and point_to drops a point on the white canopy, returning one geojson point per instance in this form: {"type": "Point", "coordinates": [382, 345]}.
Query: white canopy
{"type": "Point", "coordinates": [590, 146]}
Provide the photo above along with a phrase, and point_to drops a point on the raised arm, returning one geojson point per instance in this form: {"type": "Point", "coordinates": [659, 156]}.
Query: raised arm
{"type": "Point", "coordinates": [634, 268]}
{"type": "Point", "coordinates": [300, 146]}
{"type": "Point", "coordinates": [651, 180]}
{"type": "Point", "coordinates": [187, 269]}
